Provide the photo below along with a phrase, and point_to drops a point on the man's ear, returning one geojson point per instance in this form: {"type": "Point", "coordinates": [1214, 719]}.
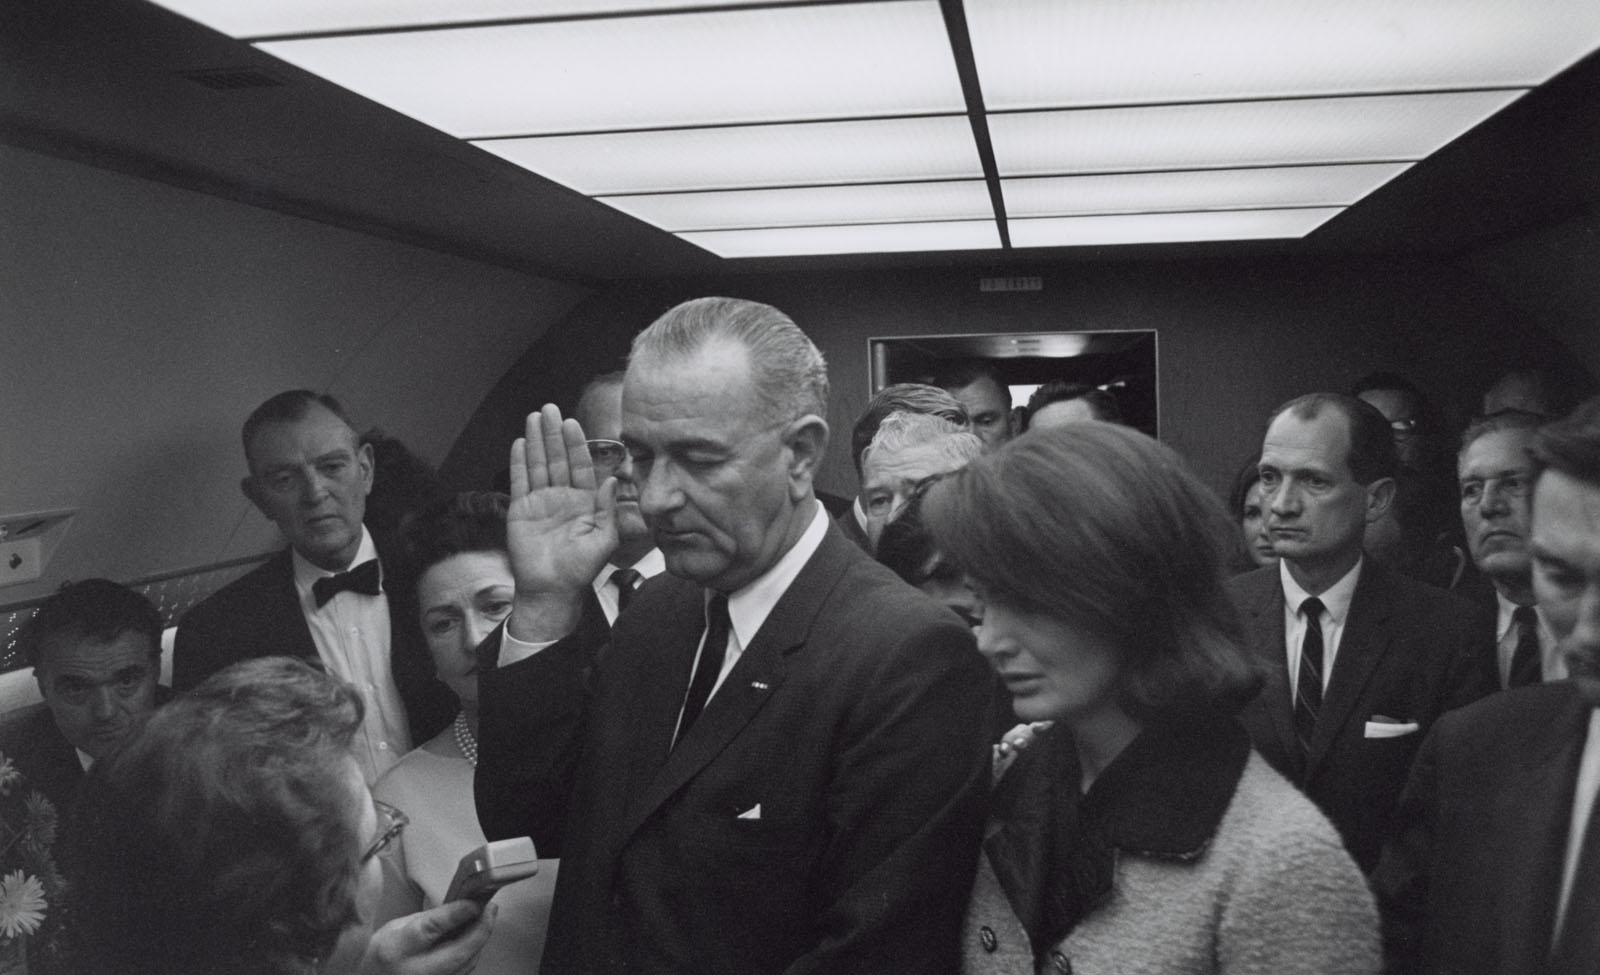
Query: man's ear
{"type": "Point", "coordinates": [807, 440]}
{"type": "Point", "coordinates": [1380, 495]}
{"type": "Point", "coordinates": [367, 465]}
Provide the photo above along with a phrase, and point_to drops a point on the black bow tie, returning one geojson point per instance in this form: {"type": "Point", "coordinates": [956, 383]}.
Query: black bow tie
{"type": "Point", "coordinates": [363, 578]}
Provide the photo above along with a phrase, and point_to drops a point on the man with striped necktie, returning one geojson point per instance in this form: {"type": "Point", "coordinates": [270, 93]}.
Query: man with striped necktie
{"type": "Point", "coordinates": [1359, 660]}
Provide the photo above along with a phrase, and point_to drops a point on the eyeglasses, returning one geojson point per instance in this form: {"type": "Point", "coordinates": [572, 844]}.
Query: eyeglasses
{"type": "Point", "coordinates": [1515, 484]}
{"type": "Point", "coordinates": [391, 823]}
{"type": "Point", "coordinates": [607, 456]}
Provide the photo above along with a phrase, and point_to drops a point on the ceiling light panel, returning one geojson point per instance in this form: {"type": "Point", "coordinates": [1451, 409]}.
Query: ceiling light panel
{"type": "Point", "coordinates": [1235, 134]}
{"type": "Point", "coordinates": [744, 157]}
{"type": "Point", "coordinates": [857, 239]}
{"type": "Point", "coordinates": [1212, 189]}
{"type": "Point", "coordinates": [811, 206]}
{"type": "Point", "coordinates": [717, 67]}
{"type": "Point", "coordinates": [261, 18]}
{"type": "Point", "coordinates": [1168, 228]}
{"type": "Point", "coordinates": [1048, 53]}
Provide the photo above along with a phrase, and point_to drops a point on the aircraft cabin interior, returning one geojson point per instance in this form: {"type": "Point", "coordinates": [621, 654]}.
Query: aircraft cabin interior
{"type": "Point", "coordinates": [205, 202]}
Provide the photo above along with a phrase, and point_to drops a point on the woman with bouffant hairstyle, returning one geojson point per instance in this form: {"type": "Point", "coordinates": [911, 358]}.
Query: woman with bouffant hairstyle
{"type": "Point", "coordinates": [1138, 833]}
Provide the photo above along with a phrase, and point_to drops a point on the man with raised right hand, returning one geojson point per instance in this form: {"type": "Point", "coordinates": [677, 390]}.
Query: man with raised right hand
{"type": "Point", "coordinates": [780, 763]}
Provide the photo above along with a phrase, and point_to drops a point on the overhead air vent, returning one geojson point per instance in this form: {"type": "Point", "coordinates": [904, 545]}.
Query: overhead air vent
{"type": "Point", "coordinates": [228, 79]}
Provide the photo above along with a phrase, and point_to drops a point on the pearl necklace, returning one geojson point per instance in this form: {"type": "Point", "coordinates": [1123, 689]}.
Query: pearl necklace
{"type": "Point", "coordinates": [465, 739]}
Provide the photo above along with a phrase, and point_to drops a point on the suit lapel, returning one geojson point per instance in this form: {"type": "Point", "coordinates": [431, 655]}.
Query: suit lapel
{"type": "Point", "coordinates": [1361, 650]}
{"type": "Point", "coordinates": [292, 625]}
{"type": "Point", "coordinates": [752, 682]}
{"type": "Point", "coordinates": [1266, 636]}
{"type": "Point", "coordinates": [659, 666]}
{"type": "Point", "coordinates": [1536, 804]}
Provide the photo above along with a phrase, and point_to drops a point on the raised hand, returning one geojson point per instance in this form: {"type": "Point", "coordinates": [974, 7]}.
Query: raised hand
{"type": "Point", "coordinates": [561, 527]}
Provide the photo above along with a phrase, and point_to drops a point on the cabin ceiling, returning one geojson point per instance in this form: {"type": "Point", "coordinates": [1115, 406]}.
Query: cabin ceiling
{"type": "Point", "coordinates": [130, 86]}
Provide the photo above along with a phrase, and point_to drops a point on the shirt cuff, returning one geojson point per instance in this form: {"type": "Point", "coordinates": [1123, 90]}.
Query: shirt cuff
{"type": "Point", "coordinates": [513, 650]}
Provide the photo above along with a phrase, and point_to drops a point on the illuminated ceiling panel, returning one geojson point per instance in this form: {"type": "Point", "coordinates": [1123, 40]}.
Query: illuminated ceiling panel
{"type": "Point", "coordinates": [1054, 54]}
{"type": "Point", "coordinates": [811, 206]}
{"type": "Point", "coordinates": [879, 238]}
{"type": "Point", "coordinates": [1233, 134]}
{"type": "Point", "coordinates": [765, 128]}
{"type": "Point", "coordinates": [1209, 189]}
{"type": "Point", "coordinates": [735, 157]}
{"type": "Point", "coordinates": [1168, 228]}
{"type": "Point", "coordinates": [260, 18]}
{"type": "Point", "coordinates": [780, 64]}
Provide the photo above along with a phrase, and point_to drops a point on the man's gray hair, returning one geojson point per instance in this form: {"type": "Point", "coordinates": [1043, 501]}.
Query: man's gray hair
{"type": "Point", "coordinates": [788, 372]}
{"type": "Point", "coordinates": [900, 431]}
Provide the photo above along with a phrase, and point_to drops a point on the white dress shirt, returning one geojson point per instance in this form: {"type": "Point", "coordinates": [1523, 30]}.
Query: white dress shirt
{"type": "Point", "coordinates": [351, 632]}
{"type": "Point", "coordinates": [1552, 666]}
{"type": "Point", "coordinates": [1335, 612]}
{"type": "Point", "coordinates": [650, 565]}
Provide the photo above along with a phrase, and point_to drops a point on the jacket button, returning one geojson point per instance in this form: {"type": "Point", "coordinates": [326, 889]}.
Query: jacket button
{"type": "Point", "coordinates": [987, 939]}
{"type": "Point", "coordinates": [1060, 963]}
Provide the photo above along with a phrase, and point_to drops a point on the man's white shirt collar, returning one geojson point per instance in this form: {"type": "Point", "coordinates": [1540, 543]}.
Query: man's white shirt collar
{"type": "Point", "coordinates": [650, 565]}
{"type": "Point", "coordinates": [1335, 599]}
{"type": "Point", "coordinates": [306, 574]}
{"type": "Point", "coordinates": [749, 607]}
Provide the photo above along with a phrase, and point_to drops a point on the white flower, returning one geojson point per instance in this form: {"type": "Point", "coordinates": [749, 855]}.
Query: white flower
{"type": "Point", "coordinates": [22, 904]}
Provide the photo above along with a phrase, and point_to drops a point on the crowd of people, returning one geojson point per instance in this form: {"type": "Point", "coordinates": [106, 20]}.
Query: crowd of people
{"type": "Point", "coordinates": [1034, 700]}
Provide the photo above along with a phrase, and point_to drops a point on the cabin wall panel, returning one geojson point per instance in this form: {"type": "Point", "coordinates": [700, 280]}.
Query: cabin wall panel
{"type": "Point", "coordinates": [140, 323]}
{"type": "Point", "coordinates": [1236, 338]}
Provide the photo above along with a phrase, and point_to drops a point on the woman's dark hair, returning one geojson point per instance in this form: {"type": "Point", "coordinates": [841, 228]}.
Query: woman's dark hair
{"type": "Point", "coordinates": [472, 521]}
{"type": "Point", "coordinates": [1248, 477]}
{"type": "Point", "coordinates": [221, 838]}
{"type": "Point", "coordinates": [1101, 525]}
{"type": "Point", "coordinates": [95, 610]}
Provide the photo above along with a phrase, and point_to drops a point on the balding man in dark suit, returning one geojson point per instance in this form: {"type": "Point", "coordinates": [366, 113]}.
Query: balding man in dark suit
{"type": "Point", "coordinates": [1359, 660]}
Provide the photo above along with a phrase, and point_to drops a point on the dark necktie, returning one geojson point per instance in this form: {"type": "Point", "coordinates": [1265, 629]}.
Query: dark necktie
{"type": "Point", "coordinates": [363, 578]}
{"type": "Point", "coordinates": [1308, 683]}
{"type": "Point", "coordinates": [1526, 660]}
{"type": "Point", "coordinates": [1577, 950]}
{"type": "Point", "coordinates": [624, 580]}
{"type": "Point", "coordinates": [712, 653]}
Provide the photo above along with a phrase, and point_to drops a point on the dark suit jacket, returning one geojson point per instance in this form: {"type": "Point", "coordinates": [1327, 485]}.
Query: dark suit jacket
{"type": "Point", "coordinates": [47, 761]}
{"type": "Point", "coordinates": [858, 720]}
{"type": "Point", "coordinates": [1409, 652]}
{"type": "Point", "coordinates": [1470, 883]}
{"type": "Point", "coordinates": [259, 615]}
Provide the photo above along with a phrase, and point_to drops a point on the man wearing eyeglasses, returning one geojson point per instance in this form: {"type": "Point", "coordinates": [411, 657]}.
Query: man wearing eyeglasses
{"type": "Point", "coordinates": [95, 648]}
{"type": "Point", "coordinates": [636, 558]}
{"type": "Point", "coordinates": [1495, 868]}
{"type": "Point", "coordinates": [1496, 475]}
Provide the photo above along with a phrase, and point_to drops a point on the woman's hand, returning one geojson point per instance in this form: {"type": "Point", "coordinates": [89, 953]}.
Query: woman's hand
{"type": "Point", "coordinates": [444, 941]}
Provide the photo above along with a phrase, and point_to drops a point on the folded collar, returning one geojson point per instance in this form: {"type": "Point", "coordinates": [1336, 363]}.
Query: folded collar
{"type": "Point", "coordinates": [1053, 849]}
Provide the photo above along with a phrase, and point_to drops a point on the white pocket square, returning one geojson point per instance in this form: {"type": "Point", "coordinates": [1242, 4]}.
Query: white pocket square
{"type": "Point", "coordinates": [754, 812]}
{"type": "Point", "coordinates": [1391, 729]}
